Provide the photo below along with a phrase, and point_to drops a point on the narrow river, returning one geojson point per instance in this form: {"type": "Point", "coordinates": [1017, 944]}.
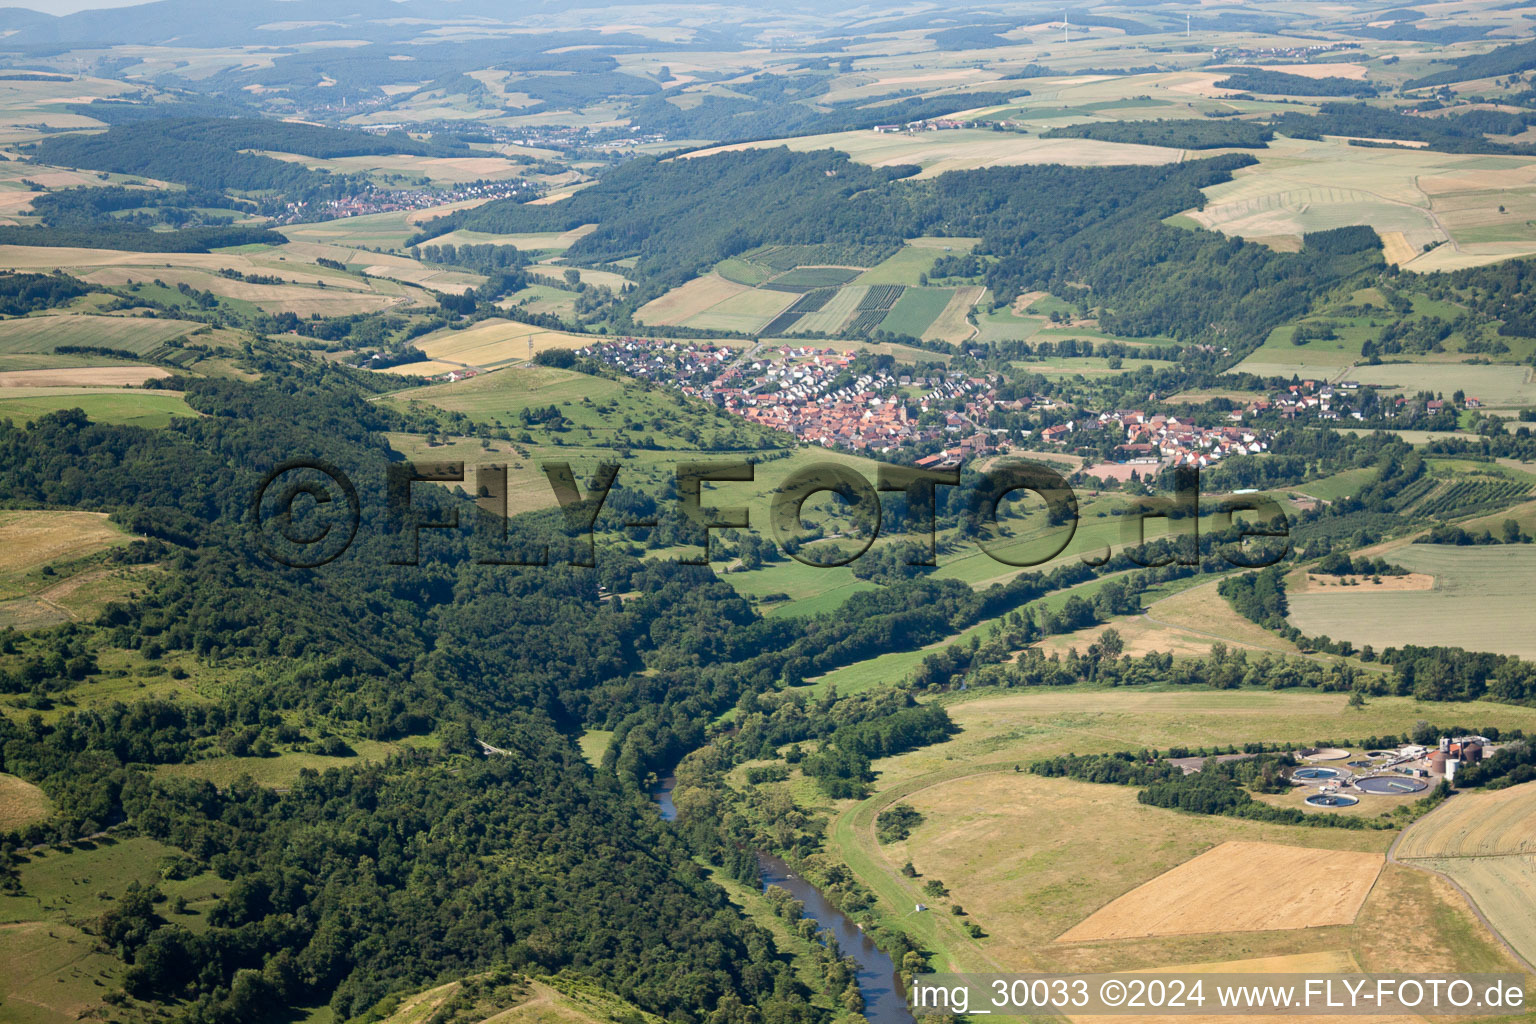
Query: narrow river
{"type": "Point", "coordinates": [876, 974]}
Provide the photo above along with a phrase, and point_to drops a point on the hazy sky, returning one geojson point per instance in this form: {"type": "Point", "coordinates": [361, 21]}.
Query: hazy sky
{"type": "Point", "coordinates": [68, 6]}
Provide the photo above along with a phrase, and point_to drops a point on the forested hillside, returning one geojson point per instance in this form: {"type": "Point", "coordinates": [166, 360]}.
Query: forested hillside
{"type": "Point", "coordinates": [1090, 232]}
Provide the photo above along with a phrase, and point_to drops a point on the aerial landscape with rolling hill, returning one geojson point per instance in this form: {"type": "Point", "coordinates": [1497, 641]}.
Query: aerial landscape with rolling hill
{"type": "Point", "coordinates": [763, 514]}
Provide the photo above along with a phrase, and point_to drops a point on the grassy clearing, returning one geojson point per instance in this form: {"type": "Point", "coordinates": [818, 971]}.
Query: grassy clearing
{"type": "Point", "coordinates": [55, 972]}
{"type": "Point", "coordinates": [1482, 600]}
{"type": "Point", "coordinates": [78, 597]}
{"type": "Point", "coordinates": [21, 803]}
{"type": "Point", "coordinates": [595, 411]}
{"type": "Point", "coordinates": [102, 405]}
{"type": "Point", "coordinates": [747, 312]}
{"type": "Point", "coordinates": [278, 771]}
{"type": "Point", "coordinates": [29, 541]}
{"type": "Point", "coordinates": [1203, 611]}
{"type": "Point", "coordinates": [1004, 324]}
{"type": "Point", "coordinates": [1140, 635]}
{"type": "Point", "coordinates": [1499, 387]}
{"type": "Point", "coordinates": [831, 318]}
{"type": "Point", "coordinates": [593, 742]}
{"type": "Point", "coordinates": [913, 260]}
{"type": "Point", "coordinates": [43, 334]}
{"type": "Point", "coordinates": [916, 310]}
{"type": "Point", "coordinates": [529, 1001]}
{"type": "Point", "coordinates": [1339, 485]}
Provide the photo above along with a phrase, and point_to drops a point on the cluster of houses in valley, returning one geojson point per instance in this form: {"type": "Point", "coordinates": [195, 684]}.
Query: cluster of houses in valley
{"type": "Point", "coordinates": [391, 200]}
{"type": "Point", "coordinates": [1346, 400]}
{"type": "Point", "coordinates": [1152, 442]}
{"type": "Point", "coordinates": [817, 395]}
{"type": "Point", "coordinates": [833, 398]}
{"type": "Point", "coordinates": [928, 124]}
{"type": "Point", "coordinates": [1276, 54]}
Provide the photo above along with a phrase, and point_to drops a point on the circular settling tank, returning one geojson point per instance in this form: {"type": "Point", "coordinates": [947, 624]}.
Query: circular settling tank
{"type": "Point", "coordinates": [1381, 753]}
{"type": "Point", "coordinates": [1392, 785]}
{"type": "Point", "coordinates": [1316, 774]}
{"type": "Point", "coordinates": [1332, 800]}
{"type": "Point", "coordinates": [1325, 754]}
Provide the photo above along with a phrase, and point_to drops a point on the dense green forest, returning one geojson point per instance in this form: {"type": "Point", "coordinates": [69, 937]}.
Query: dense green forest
{"type": "Point", "coordinates": [1453, 133]}
{"type": "Point", "coordinates": [1282, 84]}
{"type": "Point", "coordinates": [433, 652]}
{"type": "Point", "coordinates": [199, 152]}
{"type": "Point", "coordinates": [1181, 133]}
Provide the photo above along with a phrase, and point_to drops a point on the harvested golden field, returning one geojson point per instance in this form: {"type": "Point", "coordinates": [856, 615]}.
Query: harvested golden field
{"type": "Point", "coordinates": [82, 376]}
{"type": "Point", "coordinates": [31, 540]}
{"type": "Point", "coordinates": [691, 299]}
{"type": "Point", "coordinates": [489, 343]}
{"type": "Point", "coordinates": [1501, 822]}
{"type": "Point", "coordinates": [525, 240]}
{"type": "Point", "coordinates": [1481, 206]}
{"type": "Point", "coordinates": [1240, 887]}
{"type": "Point", "coordinates": [398, 268]}
{"type": "Point", "coordinates": [1351, 71]}
{"type": "Point", "coordinates": [21, 803]}
{"type": "Point", "coordinates": [450, 170]}
{"type": "Point", "coordinates": [1367, 584]}
{"type": "Point", "coordinates": [1396, 247]}
{"type": "Point", "coordinates": [338, 297]}
{"type": "Point", "coordinates": [952, 323]}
